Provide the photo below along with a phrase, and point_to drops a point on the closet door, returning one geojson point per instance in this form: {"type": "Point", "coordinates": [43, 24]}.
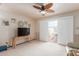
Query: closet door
{"type": "Point", "coordinates": [43, 31]}
{"type": "Point", "coordinates": [65, 30]}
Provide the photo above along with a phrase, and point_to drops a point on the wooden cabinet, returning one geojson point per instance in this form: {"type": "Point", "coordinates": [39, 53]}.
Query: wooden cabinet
{"type": "Point", "coordinates": [17, 38]}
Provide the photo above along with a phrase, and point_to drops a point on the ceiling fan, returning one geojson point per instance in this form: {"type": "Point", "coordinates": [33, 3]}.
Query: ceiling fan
{"type": "Point", "coordinates": [44, 8]}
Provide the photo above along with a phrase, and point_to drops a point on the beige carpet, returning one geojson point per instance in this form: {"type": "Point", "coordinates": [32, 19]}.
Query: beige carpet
{"type": "Point", "coordinates": [36, 48]}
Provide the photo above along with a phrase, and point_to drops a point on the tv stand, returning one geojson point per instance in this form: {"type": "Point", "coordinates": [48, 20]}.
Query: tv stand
{"type": "Point", "coordinates": [17, 38]}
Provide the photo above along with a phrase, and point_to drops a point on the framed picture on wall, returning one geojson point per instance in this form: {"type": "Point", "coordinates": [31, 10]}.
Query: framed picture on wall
{"type": "Point", "coordinates": [20, 23]}
{"type": "Point", "coordinates": [13, 20]}
{"type": "Point", "coordinates": [5, 22]}
{"type": "Point", "coordinates": [29, 25]}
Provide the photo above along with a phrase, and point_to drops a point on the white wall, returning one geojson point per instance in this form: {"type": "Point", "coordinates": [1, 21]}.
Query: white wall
{"type": "Point", "coordinates": [8, 32]}
{"type": "Point", "coordinates": [75, 15]}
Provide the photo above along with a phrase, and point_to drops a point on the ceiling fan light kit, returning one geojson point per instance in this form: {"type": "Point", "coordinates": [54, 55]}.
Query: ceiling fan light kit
{"type": "Point", "coordinates": [44, 8]}
{"type": "Point", "coordinates": [43, 13]}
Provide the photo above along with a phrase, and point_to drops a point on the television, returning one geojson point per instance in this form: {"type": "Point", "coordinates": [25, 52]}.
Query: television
{"type": "Point", "coordinates": [23, 31]}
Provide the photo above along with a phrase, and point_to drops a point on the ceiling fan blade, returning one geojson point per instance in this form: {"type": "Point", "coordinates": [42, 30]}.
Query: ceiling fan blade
{"type": "Point", "coordinates": [37, 7]}
{"type": "Point", "coordinates": [50, 10]}
{"type": "Point", "coordinates": [40, 4]}
{"type": "Point", "coordinates": [49, 5]}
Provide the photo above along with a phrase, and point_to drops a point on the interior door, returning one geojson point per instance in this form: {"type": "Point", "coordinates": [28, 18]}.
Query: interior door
{"type": "Point", "coordinates": [43, 31]}
{"type": "Point", "coordinates": [65, 30]}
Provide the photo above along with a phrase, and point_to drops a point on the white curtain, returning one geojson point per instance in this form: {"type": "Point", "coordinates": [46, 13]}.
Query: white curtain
{"type": "Point", "coordinates": [65, 30]}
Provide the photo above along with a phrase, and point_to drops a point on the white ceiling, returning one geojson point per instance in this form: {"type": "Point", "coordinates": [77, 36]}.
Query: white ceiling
{"type": "Point", "coordinates": [28, 10]}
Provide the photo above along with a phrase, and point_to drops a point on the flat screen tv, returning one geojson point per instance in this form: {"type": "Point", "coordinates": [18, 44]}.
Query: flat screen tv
{"type": "Point", "coordinates": [23, 31]}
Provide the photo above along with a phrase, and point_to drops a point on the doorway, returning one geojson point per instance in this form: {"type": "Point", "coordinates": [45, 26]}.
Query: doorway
{"type": "Point", "coordinates": [52, 31]}
{"type": "Point", "coordinates": [57, 30]}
